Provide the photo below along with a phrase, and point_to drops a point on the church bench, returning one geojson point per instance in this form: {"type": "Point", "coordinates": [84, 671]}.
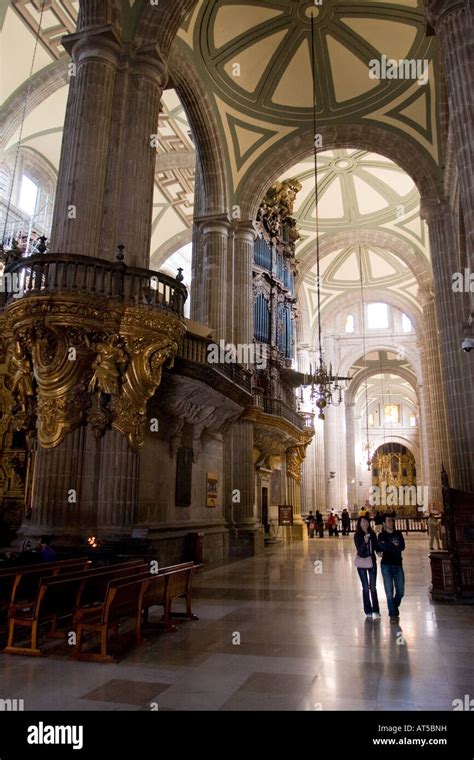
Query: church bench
{"type": "Point", "coordinates": [58, 596]}
{"type": "Point", "coordinates": [147, 590]}
{"type": "Point", "coordinates": [23, 581]}
{"type": "Point", "coordinates": [91, 593]}
{"type": "Point", "coordinates": [123, 600]}
{"type": "Point", "coordinates": [39, 565]}
{"type": "Point", "coordinates": [179, 584]}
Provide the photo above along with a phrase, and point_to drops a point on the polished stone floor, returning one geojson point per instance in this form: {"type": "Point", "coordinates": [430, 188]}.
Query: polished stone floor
{"type": "Point", "coordinates": [274, 635]}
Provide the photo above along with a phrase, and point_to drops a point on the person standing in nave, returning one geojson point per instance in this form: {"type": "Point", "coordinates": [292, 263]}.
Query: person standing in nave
{"type": "Point", "coordinates": [392, 544]}
{"type": "Point", "coordinates": [434, 531]}
{"type": "Point", "coordinates": [311, 524]}
{"type": "Point", "coordinates": [346, 522]}
{"type": "Point", "coordinates": [319, 524]}
{"type": "Point", "coordinates": [378, 521]}
{"type": "Point", "coordinates": [366, 563]}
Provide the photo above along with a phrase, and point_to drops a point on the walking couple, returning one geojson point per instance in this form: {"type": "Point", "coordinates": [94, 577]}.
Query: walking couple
{"type": "Point", "coordinates": [390, 544]}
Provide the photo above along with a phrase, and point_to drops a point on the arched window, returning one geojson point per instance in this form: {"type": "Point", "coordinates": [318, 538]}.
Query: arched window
{"type": "Point", "coordinates": [349, 323]}
{"type": "Point", "coordinates": [406, 324]}
{"type": "Point", "coordinates": [377, 316]}
{"type": "Point", "coordinates": [28, 195]}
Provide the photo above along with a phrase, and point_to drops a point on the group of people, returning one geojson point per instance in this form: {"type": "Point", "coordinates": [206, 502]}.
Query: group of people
{"type": "Point", "coordinates": [315, 523]}
{"type": "Point", "coordinates": [388, 543]}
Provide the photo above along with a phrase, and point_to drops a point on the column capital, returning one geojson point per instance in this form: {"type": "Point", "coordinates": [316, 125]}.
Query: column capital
{"type": "Point", "coordinates": [433, 208]}
{"type": "Point", "coordinates": [438, 10]}
{"type": "Point", "coordinates": [102, 43]}
{"type": "Point", "coordinates": [245, 231]}
{"type": "Point", "coordinates": [148, 63]}
{"type": "Point", "coordinates": [214, 223]}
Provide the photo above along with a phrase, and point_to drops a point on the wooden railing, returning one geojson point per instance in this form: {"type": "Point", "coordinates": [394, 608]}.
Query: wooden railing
{"type": "Point", "coordinates": [403, 524]}
{"type": "Point", "coordinates": [47, 273]}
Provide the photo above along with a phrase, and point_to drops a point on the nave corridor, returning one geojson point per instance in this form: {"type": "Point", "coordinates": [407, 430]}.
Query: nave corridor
{"type": "Point", "coordinates": [304, 645]}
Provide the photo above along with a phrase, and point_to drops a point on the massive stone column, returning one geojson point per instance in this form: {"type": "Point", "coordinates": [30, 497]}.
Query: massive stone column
{"type": "Point", "coordinates": [453, 22]}
{"type": "Point", "coordinates": [96, 336]}
{"type": "Point", "coordinates": [86, 142]}
{"type": "Point", "coordinates": [294, 464]}
{"type": "Point", "coordinates": [128, 203]}
{"type": "Point", "coordinates": [439, 444]}
{"type": "Point", "coordinates": [211, 269]}
{"type": "Point", "coordinates": [118, 485]}
{"type": "Point", "coordinates": [242, 322]}
{"type": "Point", "coordinates": [351, 469]}
{"type": "Point", "coordinates": [105, 185]}
{"type": "Point", "coordinates": [335, 457]}
{"type": "Point", "coordinates": [430, 473]}
{"type": "Point", "coordinates": [246, 535]}
{"type": "Point", "coordinates": [457, 367]}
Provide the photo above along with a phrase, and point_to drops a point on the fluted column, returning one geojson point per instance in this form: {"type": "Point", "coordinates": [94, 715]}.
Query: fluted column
{"type": "Point", "coordinates": [128, 203]}
{"type": "Point", "coordinates": [430, 476]}
{"type": "Point", "coordinates": [242, 322]}
{"type": "Point", "coordinates": [350, 456]}
{"type": "Point", "coordinates": [211, 259]}
{"type": "Point", "coordinates": [118, 485]}
{"type": "Point", "coordinates": [86, 142]}
{"type": "Point", "coordinates": [85, 486]}
{"type": "Point", "coordinates": [243, 473]}
{"type": "Point", "coordinates": [246, 534]}
{"type": "Point", "coordinates": [452, 20]}
{"type": "Point", "coordinates": [319, 468]}
{"type": "Point", "coordinates": [439, 449]}
{"type": "Point", "coordinates": [457, 366]}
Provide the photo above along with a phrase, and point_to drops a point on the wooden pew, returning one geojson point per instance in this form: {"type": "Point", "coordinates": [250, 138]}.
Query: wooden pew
{"type": "Point", "coordinates": [123, 600]}
{"type": "Point", "coordinates": [171, 583]}
{"type": "Point", "coordinates": [57, 596]}
{"type": "Point", "coordinates": [135, 598]}
{"type": "Point", "coordinates": [23, 580]}
{"type": "Point", "coordinates": [179, 584]}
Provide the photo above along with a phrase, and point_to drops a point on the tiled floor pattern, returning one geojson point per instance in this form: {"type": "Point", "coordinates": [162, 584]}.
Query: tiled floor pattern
{"type": "Point", "coordinates": [273, 635]}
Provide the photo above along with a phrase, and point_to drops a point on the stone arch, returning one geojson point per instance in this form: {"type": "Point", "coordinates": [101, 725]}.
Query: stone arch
{"type": "Point", "coordinates": [363, 375]}
{"type": "Point", "coordinates": [373, 296]}
{"type": "Point", "coordinates": [171, 246]}
{"type": "Point", "coordinates": [356, 354]}
{"type": "Point", "coordinates": [159, 23]}
{"type": "Point", "coordinates": [411, 445]}
{"type": "Point", "coordinates": [411, 256]}
{"type": "Point", "coordinates": [375, 138]}
{"type": "Point", "coordinates": [96, 13]}
{"type": "Point", "coordinates": [212, 196]}
{"type": "Point", "coordinates": [43, 84]}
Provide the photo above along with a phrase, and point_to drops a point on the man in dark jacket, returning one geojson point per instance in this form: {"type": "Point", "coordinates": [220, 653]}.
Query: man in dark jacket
{"type": "Point", "coordinates": [391, 544]}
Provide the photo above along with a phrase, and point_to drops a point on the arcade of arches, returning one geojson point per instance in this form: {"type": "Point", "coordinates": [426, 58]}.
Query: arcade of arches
{"type": "Point", "coordinates": [163, 300]}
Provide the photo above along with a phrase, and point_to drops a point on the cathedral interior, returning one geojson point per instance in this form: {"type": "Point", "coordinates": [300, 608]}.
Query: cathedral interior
{"type": "Point", "coordinates": [237, 289]}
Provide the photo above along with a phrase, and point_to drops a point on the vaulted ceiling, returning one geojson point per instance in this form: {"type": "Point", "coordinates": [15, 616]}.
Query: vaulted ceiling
{"type": "Point", "coordinates": [256, 60]}
{"type": "Point", "coordinates": [368, 211]}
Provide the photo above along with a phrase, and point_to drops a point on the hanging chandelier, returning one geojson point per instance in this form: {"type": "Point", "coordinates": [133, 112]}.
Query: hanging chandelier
{"type": "Point", "coordinates": [326, 388]}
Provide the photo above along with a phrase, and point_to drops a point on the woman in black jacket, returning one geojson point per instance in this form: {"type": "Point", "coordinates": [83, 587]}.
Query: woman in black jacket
{"type": "Point", "coordinates": [366, 564]}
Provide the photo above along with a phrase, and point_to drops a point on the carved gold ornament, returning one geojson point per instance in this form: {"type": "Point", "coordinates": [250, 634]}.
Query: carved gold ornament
{"type": "Point", "coordinates": [89, 363]}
